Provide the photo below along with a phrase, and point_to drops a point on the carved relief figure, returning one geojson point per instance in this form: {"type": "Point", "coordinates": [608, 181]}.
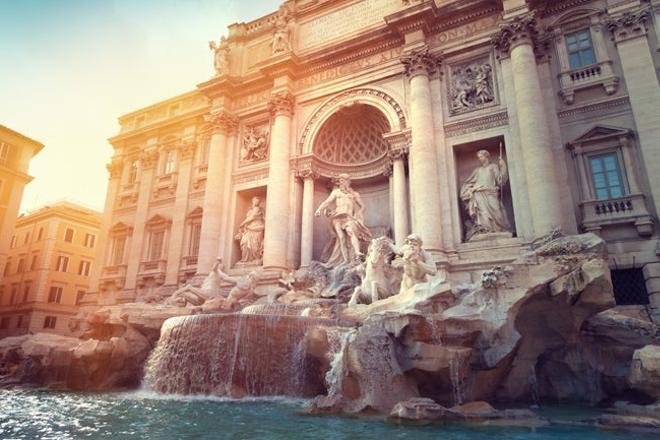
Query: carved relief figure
{"type": "Point", "coordinates": [255, 146]}
{"type": "Point", "coordinates": [417, 264]}
{"type": "Point", "coordinates": [282, 35]}
{"type": "Point", "coordinates": [251, 234]}
{"type": "Point", "coordinates": [220, 56]}
{"type": "Point", "coordinates": [481, 194]}
{"type": "Point", "coordinates": [472, 87]}
{"type": "Point", "coordinates": [347, 222]}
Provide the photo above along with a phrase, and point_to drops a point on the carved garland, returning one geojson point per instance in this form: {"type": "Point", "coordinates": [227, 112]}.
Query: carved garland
{"type": "Point", "coordinates": [347, 95]}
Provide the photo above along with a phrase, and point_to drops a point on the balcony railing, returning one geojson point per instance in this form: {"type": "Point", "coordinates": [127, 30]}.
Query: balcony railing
{"type": "Point", "coordinates": [589, 76]}
{"type": "Point", "coordinates": [153, 266]}
{"type": "Point", "coordinates": [597, 214]}
{"type": "Point", "coordinates": [190, 261]}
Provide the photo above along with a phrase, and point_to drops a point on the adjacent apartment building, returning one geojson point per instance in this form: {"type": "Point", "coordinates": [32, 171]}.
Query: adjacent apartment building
{"type": "Point", "coordinates": [48, 269]}
{"type": "Point", "coordinates": [16, 151]}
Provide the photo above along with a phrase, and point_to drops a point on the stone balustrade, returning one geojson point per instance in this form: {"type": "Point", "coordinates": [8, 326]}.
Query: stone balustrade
{"type": "Point", "coordinates": [597, 214]}
{"type": "Point", "coordinates": [590, 76]}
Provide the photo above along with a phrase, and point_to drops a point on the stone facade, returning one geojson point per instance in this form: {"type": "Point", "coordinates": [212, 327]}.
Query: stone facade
{"type": "Point", "coordinates": [49, 269]}
{"type": "Point", "coordinates": [400, 96]}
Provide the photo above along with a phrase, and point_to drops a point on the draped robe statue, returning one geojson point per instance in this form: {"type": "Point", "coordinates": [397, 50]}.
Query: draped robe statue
{"type": "Point", "coordinates": [251, 234]}
{"type": "Point", "coordinates": [481, 194]}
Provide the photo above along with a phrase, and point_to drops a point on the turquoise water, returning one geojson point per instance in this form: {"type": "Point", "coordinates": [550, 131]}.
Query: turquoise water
{"type": "Point", "coordinates": [117, 416]}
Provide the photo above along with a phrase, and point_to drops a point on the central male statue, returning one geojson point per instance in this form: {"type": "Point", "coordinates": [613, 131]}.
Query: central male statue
{"type": "Point", "coordinates": [347, 222]}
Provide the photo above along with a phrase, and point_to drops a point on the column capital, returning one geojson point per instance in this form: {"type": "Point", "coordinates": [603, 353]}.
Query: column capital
{"type": "Point", "coordinates": [115, 168]}
{"type": "Point", "coordinates": [307, 174]}
{"type": "Point", "coordinates": [399, 143]}
{"type": "Point", "coordinates": [187, 149]}
{"type": "Point", "coordinates": [522, 29]}
{"type": "Point", "coordinates": [629, 25]}
{"type": "Point", "coordinates": [387, 169]}
{"type": "Point", "coordinates": [398, 153]}
{"type": "Point", "coordinates": [148, 158]}
{"type": "Point", "coordinates": [281, 104]}
{"type": "Point", "coordinates": [420, 62]}
{"type": "Point", "coordinates": [222, 122]}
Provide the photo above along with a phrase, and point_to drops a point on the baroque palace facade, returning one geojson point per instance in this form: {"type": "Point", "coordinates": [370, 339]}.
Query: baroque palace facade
{"type": "Point", "coordinates": [400, 95]}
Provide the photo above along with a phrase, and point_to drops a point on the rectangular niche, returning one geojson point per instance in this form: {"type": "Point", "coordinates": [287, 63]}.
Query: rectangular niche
{"type": "Point", "coordinates": [243, 206]}
{"type": "Point", "coordinates": [467, 161]}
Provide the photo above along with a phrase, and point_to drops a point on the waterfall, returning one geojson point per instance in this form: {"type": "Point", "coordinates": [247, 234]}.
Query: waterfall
{"type": "Point", "coordinates": [457, 383]}
{"type": "Point", "coordinates": [235, 355]}
{"type": "Point", "coordinates": [335, 374]}
{"type": "Point", "coordinates": [534, 385]}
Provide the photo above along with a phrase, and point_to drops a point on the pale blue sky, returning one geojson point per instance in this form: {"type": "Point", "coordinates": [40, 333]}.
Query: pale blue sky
{"type": "Point", "coordinates": [71, 67]}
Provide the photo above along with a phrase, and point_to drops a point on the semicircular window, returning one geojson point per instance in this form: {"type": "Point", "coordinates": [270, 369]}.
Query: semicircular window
{"type": "Point", "coordinates": [353, 135]}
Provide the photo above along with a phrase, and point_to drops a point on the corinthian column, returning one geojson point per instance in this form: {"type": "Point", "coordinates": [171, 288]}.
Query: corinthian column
{"type": "Point", "coordinates": [115, 169]}
{"type": "Point", "coordinates": [148, 161]}
{"type": "Point", "coordinates": [423, 159]}
{"type": "Point", "coordinates": [399, 195]}
{"type": "Point", "coordinates": [178, 232]}
{"type": "Point", "coordinates": [307, 230]}
{"type": "Point", "coordinates": [276, 236]}
{"type": "Point", "coordinates": [224, 126]}
{"type": "Point", "coordinates": [517, 39]}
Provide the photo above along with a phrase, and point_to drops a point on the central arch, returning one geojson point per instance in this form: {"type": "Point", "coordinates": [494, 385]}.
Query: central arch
{"type": "Point", "coordinates": [378, 99]}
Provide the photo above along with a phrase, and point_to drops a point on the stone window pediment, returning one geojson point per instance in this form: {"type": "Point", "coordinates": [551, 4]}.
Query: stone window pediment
{"type": "Point", "coordinates": [608, 170]}
{"type": "Point", "coordinates": [121, 228]}
{"type": "Point", "coordinates": [158, 223]}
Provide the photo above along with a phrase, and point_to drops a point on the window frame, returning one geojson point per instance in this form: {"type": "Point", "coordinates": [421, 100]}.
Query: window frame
{"type": "Point", "coordinates": [55, 294]}
{"type": "Point", "coordinates": [620, 169]}
{"type": "Point", "coordinates": [50, 322]}
{"type": "Point", "coordinates": [62, 264]}
{"type": "Point", "coordinates": [592, 49]}
{"type": "Point", "coordinates": [73, 235]}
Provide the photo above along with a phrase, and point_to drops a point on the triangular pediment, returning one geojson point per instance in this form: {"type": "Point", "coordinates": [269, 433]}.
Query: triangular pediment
{"type": "Point", "coordinates": [158, 219]}
{"type": "Point", "coordinates": [197, 212]}
{"type": "Point", "coordinates": [600, 132]}
{"type": "Point", "coordinates": [121, 228]}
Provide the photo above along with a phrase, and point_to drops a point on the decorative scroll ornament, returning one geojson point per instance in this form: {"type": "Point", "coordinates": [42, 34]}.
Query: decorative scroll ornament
{"type": "Point", "coordinates": [222, 122]}
{"type": "Point", "coordinates": [187, 149]}
{"type": "Point", "coordinates": [516, 31]}
{"type": "Point", "coordinates": [420, 62]}
{"type": "Point", "coordinates": [148, 159]}
{"type": "Point", "coordinates": [281, 104]}
{"type": "Point", "coordinates": [115, 168]}
{"type": "Point", "coordinates": [629, 25]}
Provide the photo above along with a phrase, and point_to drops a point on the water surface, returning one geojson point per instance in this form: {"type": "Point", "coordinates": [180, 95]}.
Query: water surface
{"type": "Point", "coordinates": [141, 415]}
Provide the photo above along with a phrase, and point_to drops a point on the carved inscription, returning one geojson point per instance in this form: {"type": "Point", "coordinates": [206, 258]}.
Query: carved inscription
{"type": "Point", "coordinates": [348, 68]}
{"type": "Point", "coordinates": [465, 31]}
{"type": "Point", "coordinates": [345, 21]}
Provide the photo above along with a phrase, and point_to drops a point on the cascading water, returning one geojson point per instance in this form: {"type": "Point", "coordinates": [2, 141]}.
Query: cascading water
{"type": "Point", "coordinates": [457, 383]}
{"type": "Point", "coordinates": [235, 355]}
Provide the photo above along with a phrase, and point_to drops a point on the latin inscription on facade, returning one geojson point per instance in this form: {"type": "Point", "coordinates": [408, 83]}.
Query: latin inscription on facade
{"type": "Point", "coordinates": [342, 23]}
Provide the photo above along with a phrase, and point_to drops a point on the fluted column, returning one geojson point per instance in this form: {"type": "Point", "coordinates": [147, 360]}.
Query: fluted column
{"type": "Point", "coordinates": [399, 195]}
{"type": "Point", "coordinates": [276, 236]}
{"type": "Point", "coordinates": [517, 39]}
{"type": "Point", "coordinates": [148, 161]}
{"type": "Point", "coordinates": [224, 126]}
{"type": "Point", "coordinates": [308, 177]}
{"type": "Point", "coordinates": [423, 159]}
{"type": "Point", "coordinates": [115, 169]}
{"type": "Point", "coordinates": [178, 232]}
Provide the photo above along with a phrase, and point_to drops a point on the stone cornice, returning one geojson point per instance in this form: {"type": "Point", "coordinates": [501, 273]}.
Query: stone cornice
{"type": "Point", "coordinates": [399, 143]}
{"type": "Point", "coordinates": [478, 124]}
{"type": "Point", "coordinates": [629, 25]}
{"type": "Point", "coordinates": [420, 62]}
{"type": "Point", "coordinates": [222, 122]}
{"type": "Point", "coordinates": [281, 104]}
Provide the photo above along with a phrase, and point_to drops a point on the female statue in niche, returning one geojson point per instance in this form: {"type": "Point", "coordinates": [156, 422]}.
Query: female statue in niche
{"type": "Point", "coordinates": [251, 234]}
{"type": "Point", "coordinates": [481, 193]}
